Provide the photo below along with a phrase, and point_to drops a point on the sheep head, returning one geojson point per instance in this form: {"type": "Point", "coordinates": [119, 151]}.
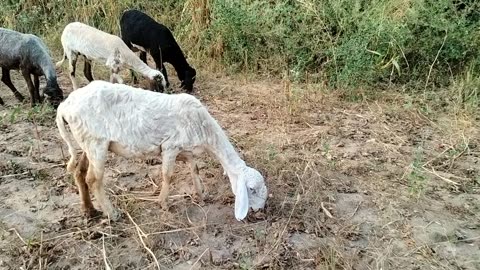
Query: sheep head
{"type": "Point", "coordinates": [54, 94]}
{"type": "Point", "coordinates": [189, 80]}
{"type": "Point", "coordinates": [250, 192]}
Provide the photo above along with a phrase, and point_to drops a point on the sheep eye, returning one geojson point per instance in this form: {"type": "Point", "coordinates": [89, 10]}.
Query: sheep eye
{"type": "Point", "coordinates": [253, 191]}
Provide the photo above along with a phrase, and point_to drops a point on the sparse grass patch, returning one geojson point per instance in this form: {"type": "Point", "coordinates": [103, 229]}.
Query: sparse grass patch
{"type": "Point", "coordinates": [41, 114]}
{"type": "Point", "coordinates": [416, 178]}
{"type": "Point", "coordinates": [12, 167]}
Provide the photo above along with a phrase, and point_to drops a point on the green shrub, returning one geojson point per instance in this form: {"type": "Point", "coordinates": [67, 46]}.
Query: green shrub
{"type": "Point", "coordinates": [346, 43]}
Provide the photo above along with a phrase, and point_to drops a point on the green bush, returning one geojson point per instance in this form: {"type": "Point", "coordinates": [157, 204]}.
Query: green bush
{"type": "Point", "coordinates": [346, 43]}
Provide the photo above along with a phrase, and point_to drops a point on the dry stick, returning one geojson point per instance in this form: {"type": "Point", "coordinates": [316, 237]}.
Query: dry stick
{"type": "Point", "coordinates": [107, 266]}
{"type": "Point", "coordinates": [25, 173]}
{"type": "Point", "coordinates": [13, 175]}
{"type": "Point", "coordinates": [465, 142]}
{"type": "Point", "coordinates": [61, 151]}
{"type": "Point", "coordinates": [435, 60]}
{"type": "Point", "coordinates": [439, 155]}
{"type": "Point", "coordinates": [199, 258]}
{"type": "Point", "coordinates": [441, 177]}
{"type": "Point", "coordinates": [141, 234]}
{"type": "Point", "coordinates": [37, 134]}
{"type": "Point", "coordinates": [176, 230]}
{"type": "Point", "coordinates": [325, 210]}
{"type": "Point", "coordinates": [40, 252]}
{"type": "Point", "coordinates": [16, 232]}
{"type": "Point", "coordinates": [356, 209]}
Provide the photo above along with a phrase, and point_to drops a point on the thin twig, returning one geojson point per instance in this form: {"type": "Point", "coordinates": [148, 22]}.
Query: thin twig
{"type": "Point", "coordinates": [141, 234]}
{"type": "Point", "coordinates": [201, 255]}
{"type": "Point", "coordinates": [40, 252]}
{"type": "Point", "coordinates": [30, 171]}
{"type": "Point", "coordinates": [439, 155]}
{"type": "Point", "coordinates": [176, 230]}
{"type": "Point", "coordinates": [435, 60]}
{"type": "Point", "coordinates": [325, 210]}
{"type": "Point", "coordinates": [356, 209]}
{"type": "Point", "coordinates": [441, 177]}
{"type": "Point", "coordinates": [107, 266]}
{"type": "Point", "coordinates": [465, 142]}
{"type": "Point", "coordinates": [14, 175]}
{"type": "Point", "coordinates": [19, 236]}
{"type": "Point", "coordinates": [36, 132]}
{"type": "Point", "coordinates": [61, 151]}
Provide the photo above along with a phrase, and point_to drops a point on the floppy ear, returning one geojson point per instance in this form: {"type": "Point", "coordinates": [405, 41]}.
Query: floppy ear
{"type": "Point", "coordinates": [241, 200]}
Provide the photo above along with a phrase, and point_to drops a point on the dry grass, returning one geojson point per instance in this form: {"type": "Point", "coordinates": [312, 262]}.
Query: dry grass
{"type": "Point", "coordinates": [354, 185]}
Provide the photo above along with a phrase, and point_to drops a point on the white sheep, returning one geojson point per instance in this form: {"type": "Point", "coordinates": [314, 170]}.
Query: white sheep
{"type": "Point", "coordinates": [96, 45]}
{"type": "Point", "coordinates": [132, 122]}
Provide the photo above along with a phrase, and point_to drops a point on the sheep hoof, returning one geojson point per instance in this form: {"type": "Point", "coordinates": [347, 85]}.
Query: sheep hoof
{"type": "Point", "coordinates": [19, 97]}
{"type": "Point", "coordinates": [115, 215]}
{"type": "Point", "coordinates": [164, 205]}
{"type": "Point", "coordinates": [92, 213]}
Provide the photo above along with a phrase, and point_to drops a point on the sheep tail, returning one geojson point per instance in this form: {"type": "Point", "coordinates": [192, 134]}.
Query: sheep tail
{"type": "Point", "coordinates": [59, 63]}
{"type": "Point", "coordinates": [63, 133]}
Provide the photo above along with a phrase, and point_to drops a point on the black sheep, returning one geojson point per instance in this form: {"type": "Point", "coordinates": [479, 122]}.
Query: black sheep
{"type": "Point", "coordinates": [140, 32]}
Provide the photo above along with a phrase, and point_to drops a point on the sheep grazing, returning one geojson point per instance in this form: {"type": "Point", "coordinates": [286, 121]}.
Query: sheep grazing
{"type": "Point", "coordinates": [132, 122]}
{"type": "Point", "coordinates": [141, 32]}
{"type": "Point", "coordinates": [28, 53]}
{"type": "Point", "coordinates": [95, 45]}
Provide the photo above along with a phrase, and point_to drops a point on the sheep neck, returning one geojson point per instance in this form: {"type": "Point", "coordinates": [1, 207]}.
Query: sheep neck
{"type": "Point", "coordinates": [223, 150]}
{"type": "Point", "coordinates": [131, 60]}
{"type": "Point", "coordinates": [180, 66]}
{"type": "Point", "coordinates": [50, 74]}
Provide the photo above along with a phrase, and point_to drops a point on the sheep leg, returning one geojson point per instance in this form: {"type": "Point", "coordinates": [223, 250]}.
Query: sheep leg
{"type": "Point", "coordinates": [72, 63]}
{"type": "Point", "coordinates": [36, 83]}
{"type": "Point", "coordinates": [143, 57]}
{"type": "Point", "coordinates": [134, 76]}
{"type": "Point", "coordinates": [87, 70]}
{"type": "Point", "coordinates": [97, 156]}
{"type": "Point", "coordinates": [156, 54]}
{"type": "Point", "coordinates": [168, 165]}
{"type": "Point", "coordinates": [8, 82]}
{"type": "Point", "coordinates": [115, 78]}
{"type": "Point", "coordinates": [80, 175]}
{"type": "Point", "coordinates": [164, 72]}
{"type": "Point", "coordinates": [197, 181]}
{"type": "Point", "coordinates": [31, 87]}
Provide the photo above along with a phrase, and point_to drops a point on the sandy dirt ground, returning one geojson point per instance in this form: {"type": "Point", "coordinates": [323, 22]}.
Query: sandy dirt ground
{"type": "Point", "coordinates": [353, 185]}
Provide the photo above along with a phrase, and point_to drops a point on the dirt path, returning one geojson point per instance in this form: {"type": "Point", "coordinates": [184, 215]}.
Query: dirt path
{"type": "Point", "coordinates": [353, 186]}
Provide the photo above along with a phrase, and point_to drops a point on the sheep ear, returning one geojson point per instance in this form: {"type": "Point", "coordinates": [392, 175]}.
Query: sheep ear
{"type": "Point", "coordinates": [241, 201]}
